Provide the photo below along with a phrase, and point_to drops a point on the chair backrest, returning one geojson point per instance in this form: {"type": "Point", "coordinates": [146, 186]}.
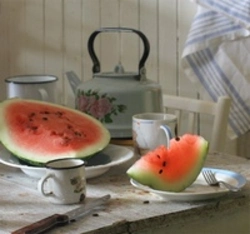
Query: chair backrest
{"type": "Point", "coordinates": [194, 108]}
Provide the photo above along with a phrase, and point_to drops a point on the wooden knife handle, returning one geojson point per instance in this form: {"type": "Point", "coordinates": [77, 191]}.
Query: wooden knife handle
{"type": "Point", "coordinates": [43, 225]}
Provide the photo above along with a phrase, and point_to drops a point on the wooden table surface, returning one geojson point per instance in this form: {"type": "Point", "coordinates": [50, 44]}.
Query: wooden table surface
{"type": "Point", "coordinates": [130, 210]}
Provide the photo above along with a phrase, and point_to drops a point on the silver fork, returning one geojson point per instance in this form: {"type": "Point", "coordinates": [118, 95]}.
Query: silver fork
{"type": "Point", "coordinates": [211, 180]}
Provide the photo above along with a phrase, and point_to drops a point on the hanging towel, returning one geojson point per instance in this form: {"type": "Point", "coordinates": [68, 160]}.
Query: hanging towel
{"type": "Point", "coordinates": [216, 56]}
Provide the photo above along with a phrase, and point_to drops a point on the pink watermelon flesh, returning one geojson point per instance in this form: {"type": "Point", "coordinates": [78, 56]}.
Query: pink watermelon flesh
{"type": "Point", "coordinates": [174, 168]}
{"type": "Point", "coordinates": [39, 131]}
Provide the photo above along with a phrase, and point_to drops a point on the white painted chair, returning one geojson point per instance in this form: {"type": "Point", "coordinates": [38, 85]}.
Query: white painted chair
{"type": "Point", "coordinates": [194, 108]}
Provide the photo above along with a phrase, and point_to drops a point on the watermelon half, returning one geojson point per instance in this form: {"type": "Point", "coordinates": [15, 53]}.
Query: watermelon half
{"type": "Point", "coordinates": [174, 168]}
{"type": "Point", "coordinates": [37, 131]}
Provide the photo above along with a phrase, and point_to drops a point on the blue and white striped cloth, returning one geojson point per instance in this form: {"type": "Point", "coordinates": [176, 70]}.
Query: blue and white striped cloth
{"type": "Point", "coordinates": [217, 55]}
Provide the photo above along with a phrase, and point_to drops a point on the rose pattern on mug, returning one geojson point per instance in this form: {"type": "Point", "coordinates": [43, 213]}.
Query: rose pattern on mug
{"type": "Point", "coordinates": [78, 183]}
{"type": "Point", "coordinates": [79, 186]}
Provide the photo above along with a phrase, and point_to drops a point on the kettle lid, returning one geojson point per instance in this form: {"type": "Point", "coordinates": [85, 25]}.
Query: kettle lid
{"type": "Point", "coordinates": [119, 72]}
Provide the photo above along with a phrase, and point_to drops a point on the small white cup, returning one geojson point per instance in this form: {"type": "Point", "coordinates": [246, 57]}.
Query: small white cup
{"type": "Point", "coordinates": [151, 130]}
{"type": "Point", "coordinates": [38, 87]}
{"type": "Point", "coordinates": [64, 181]}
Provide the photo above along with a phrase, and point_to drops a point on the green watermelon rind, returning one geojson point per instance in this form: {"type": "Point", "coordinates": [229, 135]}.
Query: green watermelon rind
{"type": "Point", "coordinates": [26, 162]}
{"type": "Point", "coordinates": [39, 160]}
{"type": "Point", "coordinates": [153, 181]}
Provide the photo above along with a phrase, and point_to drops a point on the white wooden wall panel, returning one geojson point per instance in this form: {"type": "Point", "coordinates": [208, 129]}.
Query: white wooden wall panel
{"type": "Point", "coordinates": [53, 42]}
{"type": "Point", "coordinates": [33, 35]}
{"type": "Point", "coordinates": [72, 44]}
{"type": "Point", "coordinates": [186, 11]}
{"type": "Point", "coordinates": [5, 44]}
{"type": "Point", "coordinates": [17, 36]}
{"type": "Point", "coordinates": [167, 46]}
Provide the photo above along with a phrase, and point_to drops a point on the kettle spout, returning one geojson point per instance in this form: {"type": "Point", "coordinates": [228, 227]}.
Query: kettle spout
{"type": "Point", "coordinates": [73, 79]}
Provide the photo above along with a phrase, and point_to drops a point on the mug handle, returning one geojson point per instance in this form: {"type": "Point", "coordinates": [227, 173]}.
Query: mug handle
{"type": "Point", "coordinates": [167, 132]}
{"type": "Point", "coordinates": [44, 94]}
{"type": "Point", "coordinates": [41, 184]}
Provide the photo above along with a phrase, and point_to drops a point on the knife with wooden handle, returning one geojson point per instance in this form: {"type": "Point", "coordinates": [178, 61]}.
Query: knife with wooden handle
{"type": "Point", "coordinates": [62, 219]}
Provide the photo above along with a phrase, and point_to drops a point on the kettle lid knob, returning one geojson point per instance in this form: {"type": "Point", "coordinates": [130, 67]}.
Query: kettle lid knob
{"type": "Point", "coordinates": [119, 68]}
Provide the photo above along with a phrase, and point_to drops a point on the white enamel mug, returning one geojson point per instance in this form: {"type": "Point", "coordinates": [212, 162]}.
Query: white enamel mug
{"type": "Point", "coordinates": [38, 87]}
{"type": "Point", "coordinates": [151, 130]}
{"type": "Point", "coordinates": [64, 181]}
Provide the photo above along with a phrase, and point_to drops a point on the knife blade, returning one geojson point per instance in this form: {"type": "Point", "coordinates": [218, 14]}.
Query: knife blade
{"type": "Point", "coordinates": [62, 219]}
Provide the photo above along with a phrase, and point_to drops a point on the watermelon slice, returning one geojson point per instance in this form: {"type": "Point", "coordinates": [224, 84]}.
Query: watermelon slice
{"type": "Point", "coordinates": [174, 168]}
{"type": "Point", "coordinates": [37, 131]}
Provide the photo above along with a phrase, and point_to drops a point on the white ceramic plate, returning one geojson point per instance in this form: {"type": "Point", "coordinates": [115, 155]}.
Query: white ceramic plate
{"type": "Point", "coordinates": [100, 163]}
{"type": "Point", "coordinates": [199, 190]}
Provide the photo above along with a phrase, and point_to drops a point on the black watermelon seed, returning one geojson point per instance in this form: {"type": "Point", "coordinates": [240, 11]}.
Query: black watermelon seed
{"type": "Point", "coordinates": [78, 134]}
{"type": "Point", "coordinates": [164, 163]}
{"type": "Point", "coordinates": [158, 156]}
{"type": "Point", "coordinates": [59, 113]}
{"type": "Point", "coordinates": [52, 133]}
{"type": "Point", "coordinates": [160, 171]}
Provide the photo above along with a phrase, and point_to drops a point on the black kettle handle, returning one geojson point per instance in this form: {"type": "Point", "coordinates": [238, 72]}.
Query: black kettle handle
{"type": "Point", "coordinates": [96, 64]}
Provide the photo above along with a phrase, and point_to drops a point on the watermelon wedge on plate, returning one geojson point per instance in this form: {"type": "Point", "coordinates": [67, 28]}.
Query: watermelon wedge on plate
{"type": "Point", "coordinates": [37, 132]}
{"type": "Point", "coordinates": [174, 168]}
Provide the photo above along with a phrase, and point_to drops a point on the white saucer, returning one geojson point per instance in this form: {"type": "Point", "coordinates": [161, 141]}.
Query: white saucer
{"type": "Point", "coordinates": [199, 190]}
{"type": "Point", "coordinates": [100, 163]}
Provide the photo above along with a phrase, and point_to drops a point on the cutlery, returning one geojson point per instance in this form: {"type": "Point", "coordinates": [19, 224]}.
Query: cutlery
{"type": "Point", "coordinates": [62, 219]}
{"type": "Point", "coordinates": [211, 180]}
